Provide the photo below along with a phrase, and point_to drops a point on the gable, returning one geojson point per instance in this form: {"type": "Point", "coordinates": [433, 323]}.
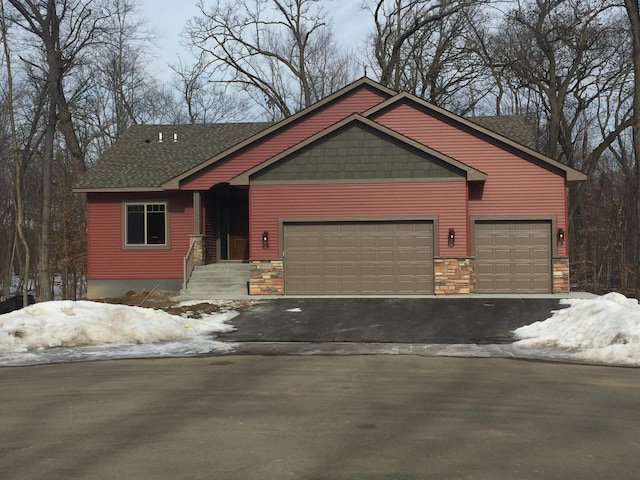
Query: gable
{"type": "Point", "coordinates": [410, 115]}
{"type": "Point", "coordinates": [354, 153]}
{"type": "Point", "coordinates": [403, 142]}
{"type": "Point", "coordinates": [356, 97]}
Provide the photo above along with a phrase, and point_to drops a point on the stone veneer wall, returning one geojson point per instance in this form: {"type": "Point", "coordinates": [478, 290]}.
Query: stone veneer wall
{"type": "Point", "coordinates": [561, 275]}
{"type": "Point", "coordinates": [267, 277]}
{"type": "Point", "coordinates": [197, 242]}
{"type": "Point", "coordinates": [454, 276]}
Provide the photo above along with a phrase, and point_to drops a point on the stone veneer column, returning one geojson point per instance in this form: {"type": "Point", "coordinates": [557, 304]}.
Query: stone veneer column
{"type": "Point", "coordinates": [561, 275]}
{"type": "Point", "coordinates": [267, 277]}
{"type": "Point", "coordinates": [454, 276]}
{"type": "Point", "coordinates": [197, 241]}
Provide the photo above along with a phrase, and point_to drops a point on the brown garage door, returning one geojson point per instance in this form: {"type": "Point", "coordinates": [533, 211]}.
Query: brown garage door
{"type": "Point", "coordinates": [358, 258]}
{"type": "Point", "coordinates": [513, 257]}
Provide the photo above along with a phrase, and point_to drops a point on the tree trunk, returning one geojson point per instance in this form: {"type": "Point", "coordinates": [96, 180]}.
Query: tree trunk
{"type": "Point", "coordinates": [634, 19]}
{"type": "Point", "coordinates": [44, 283]}
{"type": "Point", "coordinates": [16, 162]}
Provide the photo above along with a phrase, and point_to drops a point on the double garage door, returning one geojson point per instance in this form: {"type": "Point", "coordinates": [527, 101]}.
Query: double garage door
{"type": "Point", "coordinates": [368, 257]}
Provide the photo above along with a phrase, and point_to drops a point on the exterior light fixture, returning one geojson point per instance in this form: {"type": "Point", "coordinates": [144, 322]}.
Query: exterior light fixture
{"type": "Point", "coordinates": [452, 237]}
{"type": "Point", "coordinates": [265, 239]}
{"type": "Point", "coordinates": [561, 236]}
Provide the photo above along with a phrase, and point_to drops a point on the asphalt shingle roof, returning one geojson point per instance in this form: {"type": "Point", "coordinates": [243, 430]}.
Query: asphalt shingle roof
{"type": "Point", "coordinates": [139, 160]}
{"type": "Point", "coordinates": [514, 127]}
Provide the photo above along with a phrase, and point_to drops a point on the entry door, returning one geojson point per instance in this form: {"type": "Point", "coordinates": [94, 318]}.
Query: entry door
{"type": "Point", "coordinates": [233, 224]}
{"type": "Point", "coordinates": [238, 235]}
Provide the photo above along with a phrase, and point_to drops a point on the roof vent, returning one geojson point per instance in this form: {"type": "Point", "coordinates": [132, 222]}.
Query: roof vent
{"type": "Point", "coordinates": [175, 138]}
{"type": "Point", "coordinates": [159, 137]}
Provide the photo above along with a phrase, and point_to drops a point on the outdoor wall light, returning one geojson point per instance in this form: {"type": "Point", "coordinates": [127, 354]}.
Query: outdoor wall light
{"type": "Point", "coordinates": [452, 237]}
{"type": "Point", "coordinates": [561, 236]}
{"type": "Point", "coordinates": [265, 239]}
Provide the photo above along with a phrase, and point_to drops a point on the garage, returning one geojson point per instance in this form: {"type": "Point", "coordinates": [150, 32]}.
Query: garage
{"type": "Point", "coordinates": [513, 256]}
{"type": "Point", "coordinates": [358, 257]}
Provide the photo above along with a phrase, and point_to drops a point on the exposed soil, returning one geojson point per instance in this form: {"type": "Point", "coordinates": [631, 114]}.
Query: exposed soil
{"type": "Point", "coordinates": [164, 300]}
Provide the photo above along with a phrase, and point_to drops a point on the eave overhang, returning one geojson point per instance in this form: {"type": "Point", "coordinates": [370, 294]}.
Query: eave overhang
{"type": "Point", "coordinates": [118, 190]}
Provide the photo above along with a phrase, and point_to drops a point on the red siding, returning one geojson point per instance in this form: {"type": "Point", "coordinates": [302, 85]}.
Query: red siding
{"type": "Point", "coordinates": [514, 186]}
{"type": "Point", "coordinates": [357, 101]}
{"type": "Point", "coordinates": [107, 260]}
{"type": "Point", "coordinates": [445, 201]}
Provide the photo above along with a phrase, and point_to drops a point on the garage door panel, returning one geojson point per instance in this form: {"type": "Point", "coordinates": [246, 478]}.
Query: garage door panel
{"type": "Point", "coordinates": [422, 256]}
{"type": "Point", "coordinates": [513, 256]}
{"type": "Point", "coordinates": [359, 257]}
{"type": "Point", "coordinates": [540, 254]}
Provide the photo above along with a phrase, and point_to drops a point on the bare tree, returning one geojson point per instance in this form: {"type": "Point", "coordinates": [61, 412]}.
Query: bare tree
{"type": "Point", "coordinates": [633, 13]}
{"type": "Point", "coordinates": [15, 154]}
{"type": "Point", "coordinates": [561, 50]}
{"type": "Point", "coordinates": [280, 52]}
{"type": "Point", "coordinates": [64, 30]}
{"type": "Point", "coordinates": [121, 68]}
{"type": "Point", "coordinates": [420, 45]}
{"type": "Point", "coordinates": [205, 101]}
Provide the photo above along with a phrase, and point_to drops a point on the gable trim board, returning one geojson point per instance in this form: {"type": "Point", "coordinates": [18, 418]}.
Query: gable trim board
{"type": "Point", "coordinates": [371, 170]}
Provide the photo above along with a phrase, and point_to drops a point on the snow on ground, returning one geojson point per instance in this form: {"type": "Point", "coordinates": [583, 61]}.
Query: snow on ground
{"type": "Point", "coordinates": [602, 330]}
{"type": "Point", "coordinates": [72, 331]}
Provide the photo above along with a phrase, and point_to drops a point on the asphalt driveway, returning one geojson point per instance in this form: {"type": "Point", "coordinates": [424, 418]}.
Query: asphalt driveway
{"type": "Point", "coordinates": [388, 320]}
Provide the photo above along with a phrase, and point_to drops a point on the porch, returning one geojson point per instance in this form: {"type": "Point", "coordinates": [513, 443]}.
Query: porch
{"type": "Point", "coordinates": [216, 265]}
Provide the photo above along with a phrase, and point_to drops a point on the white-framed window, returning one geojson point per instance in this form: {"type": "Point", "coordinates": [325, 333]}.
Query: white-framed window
{"type": "Point", "coordinates": [145, 224]}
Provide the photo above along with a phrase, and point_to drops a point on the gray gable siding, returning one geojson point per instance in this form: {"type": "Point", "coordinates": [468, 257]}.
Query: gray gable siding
{"type": "Point", "coordinates": [357, 153]}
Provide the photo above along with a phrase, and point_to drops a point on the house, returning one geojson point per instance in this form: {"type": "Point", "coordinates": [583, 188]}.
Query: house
{"type": "Point", "coordinates": [368, 191]}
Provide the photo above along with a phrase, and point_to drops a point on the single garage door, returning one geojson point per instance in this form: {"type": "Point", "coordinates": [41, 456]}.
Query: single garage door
{"type": "Point", "coordinates": [513, 256]}
{"type": "Point", "coordinates": [358, 257]}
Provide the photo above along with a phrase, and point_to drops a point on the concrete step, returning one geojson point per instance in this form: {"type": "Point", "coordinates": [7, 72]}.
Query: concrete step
{"type": "Point", "coordinates": [217, 281]}
{"type": "Point", "coordinates": [222, 266]}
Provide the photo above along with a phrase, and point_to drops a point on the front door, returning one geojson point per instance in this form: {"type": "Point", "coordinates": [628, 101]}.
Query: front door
{"type": "Point", "coordinates": [238, 231]}
{"type": "Point", "coordinates": [232, 223]}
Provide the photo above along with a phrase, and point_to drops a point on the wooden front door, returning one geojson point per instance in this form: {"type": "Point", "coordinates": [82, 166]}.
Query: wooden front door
{"type": "Point", "coordinates": [238, 235]}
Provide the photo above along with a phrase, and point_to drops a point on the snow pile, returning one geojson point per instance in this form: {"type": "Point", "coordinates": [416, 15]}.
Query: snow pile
{"type": "Point", "coordinates": [604, 329]}
{"type": "Point", "coordinates": [73, 324]}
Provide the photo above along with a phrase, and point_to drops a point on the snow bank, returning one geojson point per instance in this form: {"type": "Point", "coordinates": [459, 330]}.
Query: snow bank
{"type": "Point", "coordinates": [604, 329]}
{"type": "Point", "coordinates": [66, 323]}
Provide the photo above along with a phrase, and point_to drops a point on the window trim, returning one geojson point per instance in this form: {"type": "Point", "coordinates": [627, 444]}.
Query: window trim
{"type": "Point", "coordinates": [145, 246]}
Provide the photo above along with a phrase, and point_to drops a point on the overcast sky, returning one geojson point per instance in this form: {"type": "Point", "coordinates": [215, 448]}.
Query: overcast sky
{"type": "Point", "coordinates": [168, 19]}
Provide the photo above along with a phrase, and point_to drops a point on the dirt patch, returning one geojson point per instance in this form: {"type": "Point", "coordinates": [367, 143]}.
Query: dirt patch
{"type": "Point", "coordinates": [164, 300]}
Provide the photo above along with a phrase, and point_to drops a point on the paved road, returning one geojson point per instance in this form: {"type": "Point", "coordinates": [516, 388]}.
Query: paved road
{"type": "Point", "coordinates": [393, 320]}
{"type": "Point", "coordinates": [362, 418]}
